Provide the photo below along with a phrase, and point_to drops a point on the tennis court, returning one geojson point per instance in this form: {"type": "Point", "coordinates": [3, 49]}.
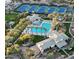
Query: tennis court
{"type": "Point", "coordinates": [40, 9]}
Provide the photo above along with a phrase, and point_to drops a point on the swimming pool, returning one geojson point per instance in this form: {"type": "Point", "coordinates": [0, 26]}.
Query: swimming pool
{"type": "Point", "coordinates": [45, 28]}
{"type": "Point", "coordinates": [40, 9]}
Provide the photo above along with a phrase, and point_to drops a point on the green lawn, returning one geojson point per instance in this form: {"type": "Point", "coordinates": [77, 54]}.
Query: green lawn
{"type": "Point", "coordinates": [68, 26]}
{"type": "Point", "coordinates": [67, 29]}
{"type": "Point", "coordinates": [70, 51]}
{"type": "Point", "coordinates": [46, 18]}
{"type": "Point", "coordinates": [37, 38]}
{"type": "Point", "coordinates": [50, 55]}
{"type": "Point", "coordinates": [10, 17]}
{"type": "Point", "coordinates": [54, 0]}
{"type": "Point", "coordinates": [62, 52]}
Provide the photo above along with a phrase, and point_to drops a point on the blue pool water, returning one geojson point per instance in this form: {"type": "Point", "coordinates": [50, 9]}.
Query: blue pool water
{"type": "Point", "coordinates": [40, 9]}
{"type": "Point", "coordinates": [45, 28]}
